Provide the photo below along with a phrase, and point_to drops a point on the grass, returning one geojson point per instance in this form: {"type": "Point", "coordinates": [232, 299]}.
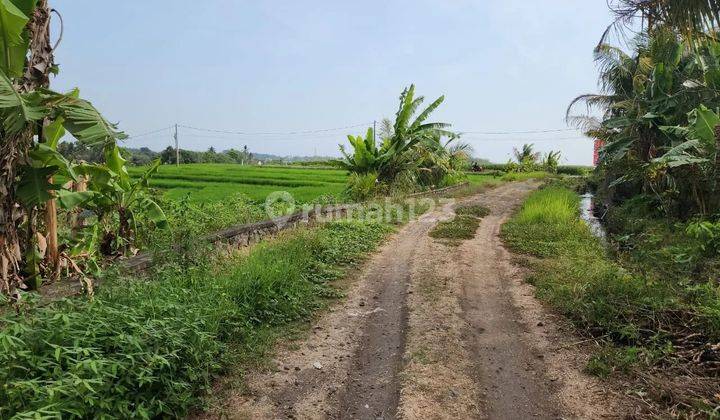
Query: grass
{"type": "Point", "coordinates": [462, 227]}
{"type": "Point", "coordinates": [524, 176]}
{"type": "Point", "coordinates": [208, 183]}
{"type": "Point", "coordinates": [483, 179]}
{"type": "Point", "coordinates": [640, 314]}
{"type": "Point", "coordinates": [151, 348]}
{"type": "Point", "coordinates": [472, 211]}
{"type": "Point", "coordinates": [575, 273]}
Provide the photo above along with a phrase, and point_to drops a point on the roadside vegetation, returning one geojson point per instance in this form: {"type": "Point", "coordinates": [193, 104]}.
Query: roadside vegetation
{"type": "Point", "coordinates": [650, 297]}
{"type": "Point", "coordinates": [146, 348]}
{"type": "Point", "coordinates": [653, 312]}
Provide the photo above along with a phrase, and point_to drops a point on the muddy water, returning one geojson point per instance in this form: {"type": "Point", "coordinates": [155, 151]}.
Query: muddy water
{"type": "Point", "coordinates": [587, 213]}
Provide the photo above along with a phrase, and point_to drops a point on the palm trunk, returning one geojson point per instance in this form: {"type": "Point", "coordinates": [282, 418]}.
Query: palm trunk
{"type": "Point", "coordinates": [14, 149]}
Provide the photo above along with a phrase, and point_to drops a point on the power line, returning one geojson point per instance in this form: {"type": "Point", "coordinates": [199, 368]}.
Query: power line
{"type": "Point", "coordinates": [502, 133]}
{"type": "Point", "coordinates": [276, 133]}
{"type": "Point", "coordinates": [525, 139]}
{"type": "Point", "coordinates": [297, 137]}
{"type": "Point", "coordinates": [148, 133]}
{"type": "Point", "coordinates": [327, 133]}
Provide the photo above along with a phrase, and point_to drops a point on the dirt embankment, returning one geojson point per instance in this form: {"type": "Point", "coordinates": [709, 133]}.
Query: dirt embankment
{"type": "Point", "coordinates": [432, 331]}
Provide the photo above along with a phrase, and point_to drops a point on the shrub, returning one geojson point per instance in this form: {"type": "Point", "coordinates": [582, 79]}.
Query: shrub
{"type": "Point", "coordinates": [361, 187]}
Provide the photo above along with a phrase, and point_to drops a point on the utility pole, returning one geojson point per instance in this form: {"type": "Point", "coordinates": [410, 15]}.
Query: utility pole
{"type": "Point", "coordinates": [177, 147]}
{"type": "Point", "coordinates": [374, 130]}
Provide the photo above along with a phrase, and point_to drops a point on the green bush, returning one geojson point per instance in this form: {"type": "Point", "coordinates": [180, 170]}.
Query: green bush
{"type": "Point", "coordinates": [361, 187]}
{"type": "Point", "coordinates": [575, 170]}
{"type": "Point", "coordinates": [150, 348]}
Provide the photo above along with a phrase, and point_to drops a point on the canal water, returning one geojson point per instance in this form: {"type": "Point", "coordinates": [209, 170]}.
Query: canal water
{"type": "Point", "coordinates": [587, 213]}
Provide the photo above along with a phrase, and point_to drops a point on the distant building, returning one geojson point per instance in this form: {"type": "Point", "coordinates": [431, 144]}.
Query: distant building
{"type": "Point", "coordinates": [596, 153]}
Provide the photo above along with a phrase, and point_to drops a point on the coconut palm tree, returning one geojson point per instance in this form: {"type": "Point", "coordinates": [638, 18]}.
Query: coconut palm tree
{"type": "Point", "coordinates": [648, 98]}
{"type": "Point", "coordinates": [691, 18]}
{"type": "Point", "coordinates": [526, 155]}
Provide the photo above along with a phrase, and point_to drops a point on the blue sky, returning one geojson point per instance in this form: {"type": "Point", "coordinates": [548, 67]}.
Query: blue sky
{"type": "Point", "coordinates": [282, 66]}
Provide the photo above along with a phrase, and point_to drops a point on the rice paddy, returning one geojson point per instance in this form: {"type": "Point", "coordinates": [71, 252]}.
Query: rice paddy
{"type": "Point", "coordinates": [208, 182]}
{"type": "Point", "coordinates": [215, 182]}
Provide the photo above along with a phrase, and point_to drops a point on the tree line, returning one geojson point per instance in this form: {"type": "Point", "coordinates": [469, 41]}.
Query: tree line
{"type": "Point", "coordinates": [77, 151]}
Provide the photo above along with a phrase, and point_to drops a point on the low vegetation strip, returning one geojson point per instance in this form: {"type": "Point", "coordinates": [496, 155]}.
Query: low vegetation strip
{"type": "Point", "coordinates": [645, 321]}
{"type": "Point", "coordinates": [463, 226]}
{"type": "Point", "coordinates": [148, 349]}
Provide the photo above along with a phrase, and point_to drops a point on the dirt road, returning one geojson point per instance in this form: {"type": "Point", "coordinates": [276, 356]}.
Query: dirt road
{"type": "Point", "coordinates": [432, 331]}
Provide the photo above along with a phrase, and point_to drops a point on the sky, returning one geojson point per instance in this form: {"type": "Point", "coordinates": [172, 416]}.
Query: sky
{"type": "Point", "coordinates": [287, 67]}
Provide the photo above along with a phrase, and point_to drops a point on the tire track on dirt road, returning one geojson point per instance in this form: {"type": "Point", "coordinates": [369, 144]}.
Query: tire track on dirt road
{"type": "Point", "coordinates": [489, 348]}
{"type": "Point", "coordinates": [348, 367]}
{"type": "Point", "coordinates": [429, 331]}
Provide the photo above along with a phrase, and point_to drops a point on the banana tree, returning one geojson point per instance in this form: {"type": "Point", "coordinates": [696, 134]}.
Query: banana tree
{"type": "Point", "coordinates": [551, 161]}
{"type": "Point", "coordinates": [526, 157]}
{"type": "Point", "coordinates": [366, 156]}
{"type": "Point", "coordinates": [120, 202]}
{"type": "Point", "coordinates": [393, 156]}
{"type": "Point", "coordinates": [695, 160]}
{"type": "Point", "coordinates": [30, 111]}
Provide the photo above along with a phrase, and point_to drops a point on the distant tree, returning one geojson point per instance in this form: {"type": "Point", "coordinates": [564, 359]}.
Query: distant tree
{"type": "Point", "coordinates": [81, 152]}
{"type": "Point", "coordinates": [167, 156]}
{"type": "Point", "coordinates": [188, 156]}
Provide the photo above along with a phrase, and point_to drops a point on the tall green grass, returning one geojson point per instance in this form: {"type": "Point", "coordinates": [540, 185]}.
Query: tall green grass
{"type": "Point", "coordinates": [149, 348]}
{"type": "Point", "coordinates": [550, 205]}
{"type": "Point", "coordinates": [575, 273]}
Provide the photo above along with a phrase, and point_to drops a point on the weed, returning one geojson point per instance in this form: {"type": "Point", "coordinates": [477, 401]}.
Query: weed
{"type": "Point", "coordinates": [476, 211]}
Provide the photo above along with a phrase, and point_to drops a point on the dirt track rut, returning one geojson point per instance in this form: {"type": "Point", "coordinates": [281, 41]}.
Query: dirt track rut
{"type": "Point", "coordinates": [431, 331]}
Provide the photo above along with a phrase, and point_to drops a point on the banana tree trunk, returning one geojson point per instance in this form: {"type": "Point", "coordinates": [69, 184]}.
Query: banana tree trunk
{"type": "Point", "coordinates": [14, 150]}
{"type": "Point", "coordinates": [51, 235]}
{"type": "Point", "coordinates": [76, 221]}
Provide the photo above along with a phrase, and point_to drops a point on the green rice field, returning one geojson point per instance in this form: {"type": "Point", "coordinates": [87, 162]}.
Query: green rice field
{"type": "Point", "coordinates": [215, 182]}
{"type": "Point", "coordinates": [208, 183]}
